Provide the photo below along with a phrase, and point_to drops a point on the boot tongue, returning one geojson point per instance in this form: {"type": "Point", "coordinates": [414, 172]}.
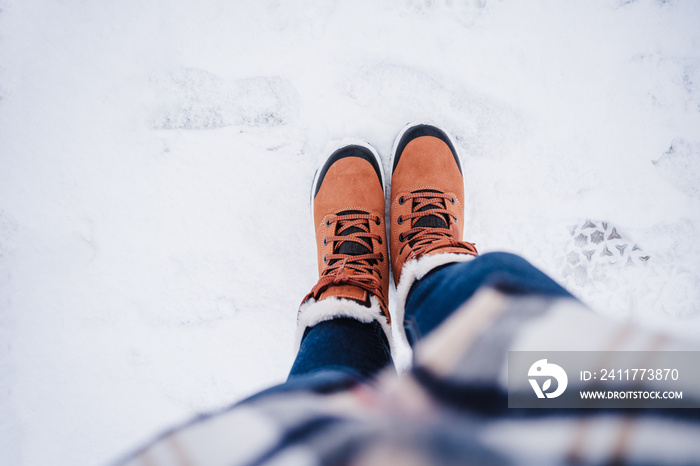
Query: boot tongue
{"type": "Point", "coordinates": [431, 221]}
{"type": "Point", "coordinates": [352, 248]}
{"type": "Point", "coordinates": [434, 221]}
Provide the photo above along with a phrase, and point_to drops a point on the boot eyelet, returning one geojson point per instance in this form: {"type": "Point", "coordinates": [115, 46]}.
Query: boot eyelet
{"type": "Point", "coordinates": [379, 240]}
{"type": "Point", "coordinates": [325, 241]}
{"type": "Point", "coordinates": [325, 258]}
{"type": "Point", "coordinates": [381, 257]}
{"type": "Point", "coordinates": [401, 237]}
{"type": "Point", "coordinates": [399, 220]}
{"type": "Point", "coordinates": [402, 201]}
{"type": "Point", "coordinates": [328, 223]}
{"type": "Point", "coordinates": [452, 200]}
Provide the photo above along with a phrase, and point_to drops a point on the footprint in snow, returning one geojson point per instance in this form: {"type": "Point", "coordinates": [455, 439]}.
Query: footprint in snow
{"type": "Point", "coordinates": [597, 246]}
{"type": "Point", "coordinates": [680, 165]}
{"type": "Point", "coordinates": [196, 99]}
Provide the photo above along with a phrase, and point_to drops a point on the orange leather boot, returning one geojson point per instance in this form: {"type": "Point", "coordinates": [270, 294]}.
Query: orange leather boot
{"type": "Point", "coordinates": [427, 207]}
{"type": "Point", "coordinates": [347, 202]}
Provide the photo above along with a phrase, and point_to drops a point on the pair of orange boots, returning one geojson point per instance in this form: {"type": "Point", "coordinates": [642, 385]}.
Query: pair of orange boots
{"type": "Point", "coordinates": [348, 205]}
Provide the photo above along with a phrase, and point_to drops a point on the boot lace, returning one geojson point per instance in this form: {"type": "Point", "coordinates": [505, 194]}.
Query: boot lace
{"type": "Point", "coordinates": [423, 239]}
{"type": "Point", "coordinates": [360, 270]}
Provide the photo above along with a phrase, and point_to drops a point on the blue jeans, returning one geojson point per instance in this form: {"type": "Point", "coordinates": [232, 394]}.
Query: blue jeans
{"type": "Point", "coordinates": [347, 346]}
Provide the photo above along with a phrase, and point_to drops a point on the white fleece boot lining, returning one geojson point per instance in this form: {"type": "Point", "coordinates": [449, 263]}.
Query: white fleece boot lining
{"type": "Point", "coordinates": [314, 312]}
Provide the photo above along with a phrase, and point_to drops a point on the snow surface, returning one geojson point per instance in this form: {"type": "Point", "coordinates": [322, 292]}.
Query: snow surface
{"type": "Point", "coordinates": [156, 159]}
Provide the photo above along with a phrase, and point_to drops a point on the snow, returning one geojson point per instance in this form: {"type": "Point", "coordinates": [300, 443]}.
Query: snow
{"type": "Point", "coordinates": [156, 160]}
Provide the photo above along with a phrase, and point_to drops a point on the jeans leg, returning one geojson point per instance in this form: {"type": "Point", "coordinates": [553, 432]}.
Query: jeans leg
{"type": "Point", "coordinates": [342, 344]}
{"type": "Point", "coordinates": [434, 297]}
